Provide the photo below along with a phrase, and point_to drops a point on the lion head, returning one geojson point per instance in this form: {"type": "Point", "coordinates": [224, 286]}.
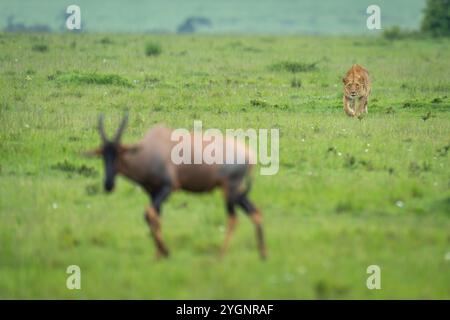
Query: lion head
{"type": "Point", "coordinates": [354, 87]}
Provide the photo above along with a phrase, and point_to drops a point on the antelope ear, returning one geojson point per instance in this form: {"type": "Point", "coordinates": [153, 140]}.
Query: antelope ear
{"type": "Point", "coordinates": [93, 153]}
{"type": "Point", "coordinates": [133, 149]}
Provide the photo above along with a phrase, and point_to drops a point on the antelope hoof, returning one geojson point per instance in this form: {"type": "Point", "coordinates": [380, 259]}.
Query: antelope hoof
{"type": "Point", "coordinates": [165, 253]}
{"type": "Point", "coordinates": [222, 253]}
{"type": "Point", "coordinates": [263, 255]}
{"type": "Point", "coordinates": [162, 254]}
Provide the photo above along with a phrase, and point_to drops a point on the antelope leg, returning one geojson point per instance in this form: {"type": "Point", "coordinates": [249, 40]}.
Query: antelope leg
{"type": "Point", "coordinates": [256, 217]}
{"type": "Point", "coordinates": [232, 221]}
{"type": "Point", "coordinates": [154, 220]}
{"type": "Point", "coordinates": [154, 223]}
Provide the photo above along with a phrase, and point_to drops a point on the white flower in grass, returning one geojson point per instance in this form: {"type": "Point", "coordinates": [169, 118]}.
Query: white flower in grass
{"type": "Point", "coordinates": [366, 150]}
{"type": "Point", "coordinates": [55, 205]}
{"type": "Point", "coordinates": [447, 256]}
{"type": "Point", "coordinates": [399, 204]}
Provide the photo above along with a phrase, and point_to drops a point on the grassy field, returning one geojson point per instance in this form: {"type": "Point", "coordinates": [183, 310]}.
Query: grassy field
{"type": "Point", "coordinates": [350, 193]}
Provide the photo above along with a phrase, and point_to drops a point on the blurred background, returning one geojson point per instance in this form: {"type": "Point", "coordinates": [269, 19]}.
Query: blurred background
{"type": "Point", "coordinates": [211, 16]}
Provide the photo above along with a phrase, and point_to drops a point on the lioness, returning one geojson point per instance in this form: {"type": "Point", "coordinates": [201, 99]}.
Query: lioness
{"type": "Point", "coordinates": [357, 89]}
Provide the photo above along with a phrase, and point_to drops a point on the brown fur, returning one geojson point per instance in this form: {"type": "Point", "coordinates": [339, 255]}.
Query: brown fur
{"type": "Point", "coordinates": [357, 88]}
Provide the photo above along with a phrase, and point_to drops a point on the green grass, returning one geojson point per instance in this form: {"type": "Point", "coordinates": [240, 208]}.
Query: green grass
{"type": "Point", "coordinates": [78, 78]}
{"type": "Point", "coordinates": [152, 49]}
{"type": "Point", "coordinates": [293, 67]}
{"type": "Point", "coordinates": [350, 193]}
{"type": "Point", "coordinates": [39, 48]}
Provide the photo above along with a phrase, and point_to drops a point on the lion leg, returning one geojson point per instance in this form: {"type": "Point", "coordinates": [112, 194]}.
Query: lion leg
{"type": "Point", "coordinates": [362, 106]}
{"type": "Point", "coordinates": [347, 107]}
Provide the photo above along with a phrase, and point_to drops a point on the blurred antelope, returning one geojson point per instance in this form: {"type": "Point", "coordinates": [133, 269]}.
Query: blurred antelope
{"type": "Point", "coordinates": [148, 163]}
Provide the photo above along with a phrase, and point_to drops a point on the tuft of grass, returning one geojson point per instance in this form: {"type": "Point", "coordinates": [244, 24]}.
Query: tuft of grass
{"type": "Point", "coordinates": [396, 33]}
{"type": "Point", "coordinates": [416, 168]}
{"type": "Point", "coordinates": [152, 49]}
{"type": "Point", "coordinates": [293, 67]}
{"type": "Point", "coordinates": [90, 78]}
{"type": "Point", "coordinates": [436, 100]}
{"type": "Point", "coordinates": [259, 103]}
{"type": "Point", "coordinates": [296, 83]}
{"type": "Point", "coordinates": [40, 47]}
{"type": "Point", "coordinates": [442, 152]}
{"type": "Point", "coordinates": [71, 168]}
{"type": "Point", "coordinates": [106, 41]}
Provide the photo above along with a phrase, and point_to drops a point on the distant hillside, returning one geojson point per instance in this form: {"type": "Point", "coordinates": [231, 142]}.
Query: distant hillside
{"type": "Point", "coordinates": [212, 16]}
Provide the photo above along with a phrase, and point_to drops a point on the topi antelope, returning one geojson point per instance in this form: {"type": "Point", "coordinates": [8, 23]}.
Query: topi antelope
{"type": "Point", "coordinates": [148, 163]}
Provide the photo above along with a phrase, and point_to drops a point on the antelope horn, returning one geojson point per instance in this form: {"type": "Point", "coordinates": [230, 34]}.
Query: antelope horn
{"type": "Point", "coordinates": [121, 128]}
{"type": "Point", "coordinates": [101, 128]}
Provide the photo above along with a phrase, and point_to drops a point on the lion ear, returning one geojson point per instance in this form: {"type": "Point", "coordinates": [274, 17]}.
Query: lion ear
{"type": "Point", "coordinates": [343, 80]}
